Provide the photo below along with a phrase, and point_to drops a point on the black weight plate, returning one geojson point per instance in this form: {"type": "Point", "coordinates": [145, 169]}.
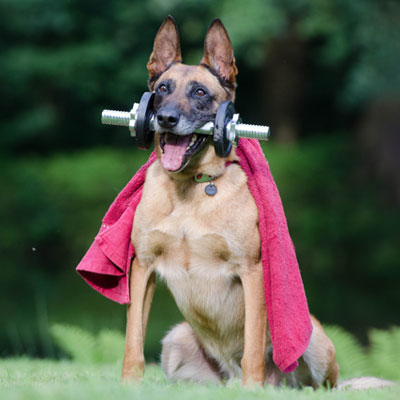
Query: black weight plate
{"type": "Point", "coordinates": [225, 113]}
{"type": "Point", "coordinates": [144, 136]}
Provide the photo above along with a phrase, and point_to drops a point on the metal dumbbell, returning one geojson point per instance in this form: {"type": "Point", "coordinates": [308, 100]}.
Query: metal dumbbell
{"type": "Point", "coordinates": [226, 129]}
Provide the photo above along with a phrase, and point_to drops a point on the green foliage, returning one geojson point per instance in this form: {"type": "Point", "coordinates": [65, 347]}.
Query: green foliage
{"type": "Point", "coordinates": [384, 355]}
{"type": "Point", "coordinates": [362, 37]}
{"type": "Point", "coordinates": [377, 40]}
{"type": "Point", "coordinates": [111, 344]}
{"type": "Point", "coordinates": [380, 359]}
{"type": "Point", "coordinates": [78, 343]}
{"type": "Point", "coordinates": [350, 355]}
{"type": "Point", "coordinates": [63, 61]}
{"type": "Point", "coordinates": [84, 347]}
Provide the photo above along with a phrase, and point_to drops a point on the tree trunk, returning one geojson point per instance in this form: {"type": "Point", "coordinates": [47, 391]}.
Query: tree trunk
{"type": "Point", "coordinates": [283, 85]}
{"type": "Point", "coordinates": [379, 137]}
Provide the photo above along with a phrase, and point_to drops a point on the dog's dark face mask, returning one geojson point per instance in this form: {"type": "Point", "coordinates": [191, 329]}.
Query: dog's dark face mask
{"type": "Point", "coordinates": [186, 97]}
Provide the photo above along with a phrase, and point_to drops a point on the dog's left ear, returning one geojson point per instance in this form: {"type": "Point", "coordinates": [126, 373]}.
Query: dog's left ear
{"type": "Point", "coordinates": [166, 49]}
{"type": "Point", "coordinates": [218, 52]}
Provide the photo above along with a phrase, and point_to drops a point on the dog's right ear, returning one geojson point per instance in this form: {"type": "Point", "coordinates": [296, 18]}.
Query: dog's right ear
{"type": "Point", "coordinates": [166, 50]}
{"type": "Point", "coordinates": [218, 53]}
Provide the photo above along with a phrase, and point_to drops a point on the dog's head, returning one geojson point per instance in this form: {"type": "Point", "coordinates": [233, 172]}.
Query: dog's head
{"type": "Point", "coordinates": [187, 96]}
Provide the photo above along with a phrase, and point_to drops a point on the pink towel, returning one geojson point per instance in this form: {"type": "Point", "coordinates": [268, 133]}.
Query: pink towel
{"type": "Point", "coordinates": [106, 264]}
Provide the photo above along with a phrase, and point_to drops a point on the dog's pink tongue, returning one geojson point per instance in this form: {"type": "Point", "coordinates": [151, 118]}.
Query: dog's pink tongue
{"type": "Point", "coordinates": [174, 150]}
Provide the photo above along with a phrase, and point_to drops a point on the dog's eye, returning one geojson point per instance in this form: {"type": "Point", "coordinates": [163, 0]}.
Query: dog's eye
{"type": "Point", "coordinates": [163, 88]}
{"type": "Point", "coordinates": [200, 92]}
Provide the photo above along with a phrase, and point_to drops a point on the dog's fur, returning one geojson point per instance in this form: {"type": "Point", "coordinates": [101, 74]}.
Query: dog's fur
{"type": "Point", "coordinates": [206, 248]}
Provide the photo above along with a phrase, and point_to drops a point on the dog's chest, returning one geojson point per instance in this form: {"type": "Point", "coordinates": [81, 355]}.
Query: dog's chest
{"type": "Point", "coordinates": [198, 257]}
{"type": "Point", "coordinates": [199, 263]}
{"type": "Point", "coordinates": [185, 241]}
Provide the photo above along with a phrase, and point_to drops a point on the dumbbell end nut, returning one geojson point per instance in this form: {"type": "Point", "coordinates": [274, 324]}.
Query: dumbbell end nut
{"type": "Point", "coordinates": [259, 132]}
{"type": "Point", "coordinates": [113, 117]}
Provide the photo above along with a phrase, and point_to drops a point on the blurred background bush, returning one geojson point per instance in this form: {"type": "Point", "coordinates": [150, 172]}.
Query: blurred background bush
{"type": "Point", "coordinates": [323, 74]}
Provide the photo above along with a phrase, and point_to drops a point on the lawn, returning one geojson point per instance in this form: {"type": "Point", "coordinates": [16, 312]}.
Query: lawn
{"type": "Point", "coordinates": [25, 378]}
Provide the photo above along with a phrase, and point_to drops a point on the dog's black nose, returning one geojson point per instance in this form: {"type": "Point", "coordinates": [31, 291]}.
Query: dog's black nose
{"type": "Point", "coordinates": [167, 117]}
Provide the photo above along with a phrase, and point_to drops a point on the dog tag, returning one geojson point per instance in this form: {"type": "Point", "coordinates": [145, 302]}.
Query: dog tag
{"type": "Point", "coordinates": [211, 189]}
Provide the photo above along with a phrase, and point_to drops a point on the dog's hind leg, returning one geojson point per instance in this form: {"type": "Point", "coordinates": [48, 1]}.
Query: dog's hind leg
{"type": "Point", "coordinates": [184, 359]}
{"type": "Point", "coordinates": [318, 364]}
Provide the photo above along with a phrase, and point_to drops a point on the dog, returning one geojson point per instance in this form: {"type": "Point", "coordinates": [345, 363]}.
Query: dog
{"type": "Point", "coordinates": [181, 234]}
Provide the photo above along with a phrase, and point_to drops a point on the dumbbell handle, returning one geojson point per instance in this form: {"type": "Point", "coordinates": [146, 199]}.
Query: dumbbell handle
{"type": "Point", "coordinates": [234, 128]}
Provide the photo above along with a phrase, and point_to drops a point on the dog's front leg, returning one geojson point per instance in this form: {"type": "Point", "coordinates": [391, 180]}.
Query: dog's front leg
{"type": "Point", "coordinates": [253, 361]}
{"type": "Point", "coordinates": [141, 287]}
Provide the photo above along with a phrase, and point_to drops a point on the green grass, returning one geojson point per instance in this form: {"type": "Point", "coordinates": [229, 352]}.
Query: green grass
{"type": "Point", "coordinates": [25, 378]}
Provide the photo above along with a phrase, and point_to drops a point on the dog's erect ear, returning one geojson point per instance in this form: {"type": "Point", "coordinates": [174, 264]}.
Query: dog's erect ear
{"type": "Point", "coordinates": [166, 49]}
{"type": "Point", "coordinates": [218, 52]}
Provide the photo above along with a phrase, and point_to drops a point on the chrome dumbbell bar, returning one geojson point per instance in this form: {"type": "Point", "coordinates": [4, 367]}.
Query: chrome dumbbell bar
{"type": "Point", "coordinates": [235, 129]}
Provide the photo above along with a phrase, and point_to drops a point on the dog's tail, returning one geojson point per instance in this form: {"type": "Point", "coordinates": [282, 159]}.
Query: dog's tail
{"type": "Point", "coordinates": [364, 383]}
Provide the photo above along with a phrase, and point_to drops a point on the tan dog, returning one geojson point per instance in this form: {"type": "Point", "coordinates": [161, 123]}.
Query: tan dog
{"type": "Point", "coordinates": [207, 252]}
